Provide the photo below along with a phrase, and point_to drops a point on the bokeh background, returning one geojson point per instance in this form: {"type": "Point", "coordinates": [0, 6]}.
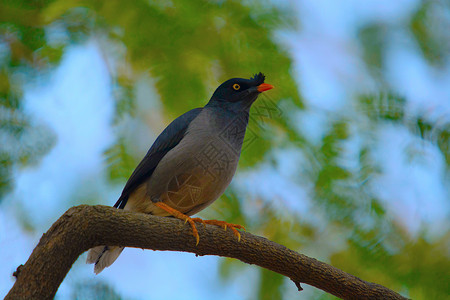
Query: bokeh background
{"type": "Point", "coordinates": [347, 160]}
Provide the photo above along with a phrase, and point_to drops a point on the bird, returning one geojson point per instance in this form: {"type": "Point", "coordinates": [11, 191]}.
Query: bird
{"type": "Point", "coordinates": [191, 162]}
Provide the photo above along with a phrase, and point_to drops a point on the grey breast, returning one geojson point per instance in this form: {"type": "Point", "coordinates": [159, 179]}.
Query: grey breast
{"type": "Point", "coordinates": [198, 170]}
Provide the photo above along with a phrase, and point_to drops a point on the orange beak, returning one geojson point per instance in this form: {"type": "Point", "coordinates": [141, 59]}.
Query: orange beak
{"type": "Point", "coordinates": [264, 87]}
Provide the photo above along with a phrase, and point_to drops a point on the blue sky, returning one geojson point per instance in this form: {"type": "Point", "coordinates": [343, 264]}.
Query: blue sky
{"type": "Point", "coordinates": [329, 67]}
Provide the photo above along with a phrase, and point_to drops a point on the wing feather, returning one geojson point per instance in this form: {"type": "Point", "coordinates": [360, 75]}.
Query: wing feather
{"type": "Point", "coordinates": [167, 140]}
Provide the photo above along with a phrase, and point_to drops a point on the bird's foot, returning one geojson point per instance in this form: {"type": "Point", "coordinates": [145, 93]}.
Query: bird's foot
{"type": "Point", "coordinates": [179, 215]}
{"type": "Point", "coordinates": [222, 224]}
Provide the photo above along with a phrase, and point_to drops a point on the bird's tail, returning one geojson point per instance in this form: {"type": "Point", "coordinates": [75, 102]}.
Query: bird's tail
{"type": "Point", "coordinates": [103, 256]}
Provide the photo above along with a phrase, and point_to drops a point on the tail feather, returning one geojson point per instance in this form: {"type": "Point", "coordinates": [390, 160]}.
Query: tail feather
{"type": "Point", "coordinates": [103, 256]}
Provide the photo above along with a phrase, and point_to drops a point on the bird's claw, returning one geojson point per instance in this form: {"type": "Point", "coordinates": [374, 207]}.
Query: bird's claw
{"type": "Point", "coordinates": [180, 215]}
{"type": "Point", "coordinates": [192, 222]}
{"type": "Point", "coordinates": [222, 224]}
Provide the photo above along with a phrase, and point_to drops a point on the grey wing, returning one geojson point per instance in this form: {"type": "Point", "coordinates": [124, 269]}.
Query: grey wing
{"type": "Point", "coordinates": [168, 139]}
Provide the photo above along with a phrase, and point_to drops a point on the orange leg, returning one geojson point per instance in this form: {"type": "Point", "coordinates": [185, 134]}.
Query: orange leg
{"type": "Point", "coordinates": [181, 216]}
{"type": "Point", "coordinates": [192, 221]}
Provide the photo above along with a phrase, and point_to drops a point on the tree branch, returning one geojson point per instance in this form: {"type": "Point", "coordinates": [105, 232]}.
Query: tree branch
{"type": "Point", "coordinates": [83, 227]}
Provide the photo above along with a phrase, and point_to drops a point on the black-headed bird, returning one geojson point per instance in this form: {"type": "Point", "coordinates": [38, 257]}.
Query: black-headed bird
{"type": "Point", "coordinates": [191, 163]}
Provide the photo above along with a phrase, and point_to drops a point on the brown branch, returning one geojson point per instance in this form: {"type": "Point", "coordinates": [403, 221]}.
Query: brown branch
{"type": "Point", "coordinates": [83, 227]}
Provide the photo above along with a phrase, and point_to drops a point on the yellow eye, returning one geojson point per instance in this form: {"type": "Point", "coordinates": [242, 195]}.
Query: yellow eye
{"type": "Point", "coordinates": [236, 86]}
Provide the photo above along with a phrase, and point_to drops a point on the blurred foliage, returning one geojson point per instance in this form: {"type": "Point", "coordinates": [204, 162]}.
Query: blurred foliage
{"type": "Point", "coordinates": [373, 39]}
{"type": "Point", "coordinates": [416, 265]}
{"type": "Point", "coordinates": [391, 107]}
{"type": "Point", "coordinates": [189, 47]}
{"type": "Point", "coordinates": [430, 26]}
{"type": "Point", "coordinates": [120, 162]}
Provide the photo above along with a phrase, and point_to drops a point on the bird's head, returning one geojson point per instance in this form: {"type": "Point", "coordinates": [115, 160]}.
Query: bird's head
{"type": "Point", "coordinates": [240, 92]}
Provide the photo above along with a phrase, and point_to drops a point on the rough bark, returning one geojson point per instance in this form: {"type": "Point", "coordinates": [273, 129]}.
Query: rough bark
{"type": "Point", "coordinates": [83, 227]}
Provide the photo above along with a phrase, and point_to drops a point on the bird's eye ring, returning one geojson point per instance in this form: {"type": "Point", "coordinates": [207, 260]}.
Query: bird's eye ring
{"type": "Point", "coordinates": [236, 86]}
